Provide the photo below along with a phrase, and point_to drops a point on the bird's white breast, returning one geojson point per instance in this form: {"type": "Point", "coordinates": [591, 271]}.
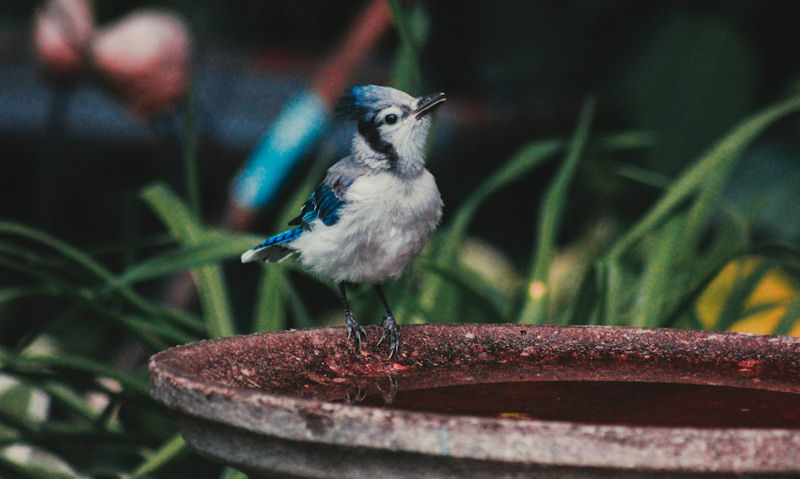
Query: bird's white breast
{"type": "Point", "coordinates": [382, 227]}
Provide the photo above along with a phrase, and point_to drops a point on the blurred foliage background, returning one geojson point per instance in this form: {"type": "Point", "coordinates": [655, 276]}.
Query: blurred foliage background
{"type": "Point", "coordinates": [618, 163]}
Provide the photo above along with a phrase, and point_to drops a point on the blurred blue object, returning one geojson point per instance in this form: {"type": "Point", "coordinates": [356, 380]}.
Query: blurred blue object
{"type": "Point", "coordinates": [295, 129]}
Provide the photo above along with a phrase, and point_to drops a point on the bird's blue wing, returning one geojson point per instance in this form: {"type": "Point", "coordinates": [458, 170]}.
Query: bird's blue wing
{"type": "Point", "coordinates": [324, 204]}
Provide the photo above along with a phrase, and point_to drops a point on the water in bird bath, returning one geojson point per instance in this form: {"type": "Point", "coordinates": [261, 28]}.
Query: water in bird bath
{"type": "Point", "coordinates": [606, 402]}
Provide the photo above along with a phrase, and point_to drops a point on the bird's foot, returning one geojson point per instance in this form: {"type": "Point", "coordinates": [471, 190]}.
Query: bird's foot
{"type": "Point", "coordinates": [357, 397]}
{"type": "Point", "coordinates": [390, 392]}
{"type": "Point", "coordinates": [354, 330]}
{"type": "Point", "coordinates": [390, 332]}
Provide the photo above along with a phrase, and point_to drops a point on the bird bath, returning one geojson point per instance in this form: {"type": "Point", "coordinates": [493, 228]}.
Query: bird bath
{"type": "Point", "coordinates": [490, 401]}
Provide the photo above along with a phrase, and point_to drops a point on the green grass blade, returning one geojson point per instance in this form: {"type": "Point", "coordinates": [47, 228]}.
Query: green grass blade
{"type": "Point", "coordinates": [214, 299]}
{"type": "Point", "coordinates": [583, 306]}
{"type": "Point", "coordinates": [473, 289]}
{"type": "Point", "coordinates": [555, 199]}
{"type": "Point", "coordinates": [615, 294]}
{"type": "Point", "coordinates": [86, 298]}
{"type": "Point", "coordinates": [743, 288]}
{"type": "Point", "coordinates": [601, 304]}
{"type": "Point", "coordinates": [86, 262]}
{"type": "Point", "coordinates": [161, 457]}
{"type": "Point", "coordinates": [439, 297]}
{"type": "Point", "coordinates": [51, 364]}
{"type": "Point", "coordinates": [9, 295]}
{"type": "Point", "coordinates": [789, 319]}
{"type": "Point", "coordinates": [656, 281]}
{"type": "Point", "coordinates": [180, 223]}
{"type": "Point", "coordinates": [208, 279]}
{"type": "Point", "coordinates": [231, 473]}
{"type": "Point", "coordinates": [302, 316]}
{"type": "Point", "coordinates": [716, 163]}
{"type": "Point", "coordinates": [215, 248]}
{"type": "Point", "coordinates": [270, 313]}
{"type": "Point", "coordinates": [69, 400]}
{"type": "Point", "coordinates": [67, 251]}
{"type": "Point", "coordinates": [523, 162]}
{"type": "Point", "coordinates": [39, 465]}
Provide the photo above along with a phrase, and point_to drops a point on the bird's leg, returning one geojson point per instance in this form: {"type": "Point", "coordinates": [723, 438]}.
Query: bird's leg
{"type": "Point", "coordinates": [389, 324]}
{"type": "Point", "coordinates": [353, 328]}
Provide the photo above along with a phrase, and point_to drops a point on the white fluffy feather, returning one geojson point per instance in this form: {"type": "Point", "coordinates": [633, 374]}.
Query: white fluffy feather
{"type": "Point", "coordinates": [382, 227]}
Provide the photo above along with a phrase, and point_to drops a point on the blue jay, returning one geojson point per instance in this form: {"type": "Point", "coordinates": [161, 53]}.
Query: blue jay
{"type": "Point", "coordinates": [374, 210]}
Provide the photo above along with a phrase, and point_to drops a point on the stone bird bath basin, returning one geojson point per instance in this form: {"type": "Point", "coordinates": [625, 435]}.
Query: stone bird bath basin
{"type": "Point", "coordinates": [490, 401]}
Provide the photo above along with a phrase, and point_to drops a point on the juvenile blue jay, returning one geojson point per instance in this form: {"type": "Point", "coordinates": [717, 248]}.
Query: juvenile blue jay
{"type": "Point", "coordinates": [375, 208]}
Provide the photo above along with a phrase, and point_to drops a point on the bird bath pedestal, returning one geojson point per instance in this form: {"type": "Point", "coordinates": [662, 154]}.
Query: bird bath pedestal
{"type": "Point", "coordinates": [490, 401]}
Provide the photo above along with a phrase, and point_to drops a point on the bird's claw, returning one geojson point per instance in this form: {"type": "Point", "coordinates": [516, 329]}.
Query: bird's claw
{"type": "Point", "coordinates": [390, 393]}
{"type": "Point", "coordinates": [358, 397]}
{"type": "Point", "coordinates": [354, 330]}
{"type": "Point", "coordinates": [390, 332]}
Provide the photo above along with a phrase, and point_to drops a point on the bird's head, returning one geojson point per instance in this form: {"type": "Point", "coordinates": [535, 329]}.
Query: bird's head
{"type": "Point", "coordinates": [392, 126]}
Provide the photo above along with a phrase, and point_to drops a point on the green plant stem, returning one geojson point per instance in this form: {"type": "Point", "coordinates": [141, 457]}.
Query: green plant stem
{"type": "Point", "coordinates": [161, 457]}
{"type": "Point", "coordinates": [209, 279]}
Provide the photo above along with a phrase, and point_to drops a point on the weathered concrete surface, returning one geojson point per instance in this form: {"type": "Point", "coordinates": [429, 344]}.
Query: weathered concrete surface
{"type": "Point", "coordinates": [272, 403]}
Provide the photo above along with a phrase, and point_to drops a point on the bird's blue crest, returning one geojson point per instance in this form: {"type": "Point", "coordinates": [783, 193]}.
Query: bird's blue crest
{"type": "Point", "coordinates": [359, 101]}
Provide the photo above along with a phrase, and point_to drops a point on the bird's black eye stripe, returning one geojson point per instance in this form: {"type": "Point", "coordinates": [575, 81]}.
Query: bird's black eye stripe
{"type": "Point", "coordinates": [369, 131]}
{"type": "Point", "coordinates": [390, 119]}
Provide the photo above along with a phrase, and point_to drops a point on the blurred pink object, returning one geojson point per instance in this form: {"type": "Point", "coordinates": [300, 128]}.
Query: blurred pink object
{"type": "Point", "coordinates": [146, 58]}
{"type": "Point", "coordinates": [62, 30]}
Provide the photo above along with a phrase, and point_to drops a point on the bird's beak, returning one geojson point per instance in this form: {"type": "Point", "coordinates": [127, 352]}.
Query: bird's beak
{"type": "Point", "coordinates": [428, 104]}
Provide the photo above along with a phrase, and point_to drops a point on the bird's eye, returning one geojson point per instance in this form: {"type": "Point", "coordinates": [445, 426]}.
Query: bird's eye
{"type": "Point", "coordinates": [390, 119]}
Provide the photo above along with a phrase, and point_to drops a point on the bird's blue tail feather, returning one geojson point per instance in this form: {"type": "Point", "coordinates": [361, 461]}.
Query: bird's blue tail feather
{"type": "Point", "coordinates": [281, 238]}
{"type": "Point", "coordinates": [271, 249]}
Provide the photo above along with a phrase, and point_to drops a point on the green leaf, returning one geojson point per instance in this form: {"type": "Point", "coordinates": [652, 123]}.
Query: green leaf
{"type": "Point", "coordinates": [707, 173]}
{"type": "Point", "coordinates": [87, 263]}
{"type": "Point", "coordinates": [789, 319]}
{"type": "Point", "coordinates": [743, 288]}
{"type": "Point", "coordinates": [550, 217]}
{"type": "Point", "coordinates": [161, 457]}
{"type": "Point", "coordinates": [230, 473]}
{"type": "Point", "coordinates": [50, 365]}
{"type": "Point", "coordinates": [611, 293]}
{"type": "Point", "coordinates": [34, 462]}
{"type": "Point", "coordinates": [436, 294]}
{"type": "Point", "coordinates": [216, 248]}
{"type": "Point", "coordinates": [302, 316]}
{"type": "Point", "coordinates": [475, 291]}
{"type": "Point", "coordinates": [658, 276]}
{"type": "Point", "coordinates": [269, 313]}
{"type": "Point", "coordinates": [208, 279]}
{"type": "Point", "coordinates": [274, 288]}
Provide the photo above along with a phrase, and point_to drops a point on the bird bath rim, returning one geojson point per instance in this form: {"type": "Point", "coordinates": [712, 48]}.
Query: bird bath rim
{"type": "Point", "coordinates": [228, 417]}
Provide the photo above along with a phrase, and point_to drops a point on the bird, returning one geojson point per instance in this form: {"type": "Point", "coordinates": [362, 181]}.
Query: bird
{"type": "Point", "coordinates": [375, 208]}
